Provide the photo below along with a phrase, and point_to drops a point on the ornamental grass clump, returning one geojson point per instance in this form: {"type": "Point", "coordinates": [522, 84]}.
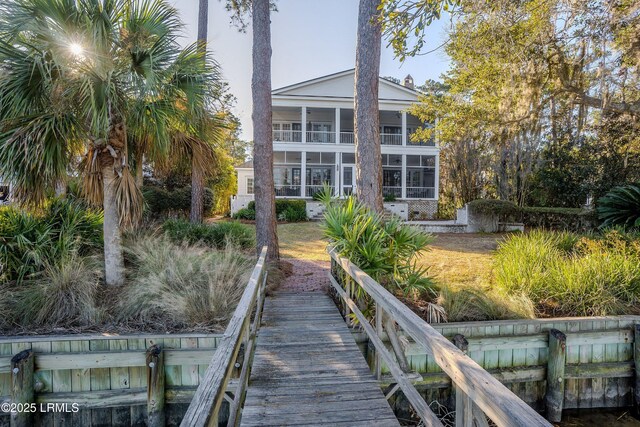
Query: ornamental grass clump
{"type": "Point", "coordinates": [568, 275]}
{"type": "Point", "coordinates": [64, 294]}
{"type": "Point", "coordinates": [182, 286]}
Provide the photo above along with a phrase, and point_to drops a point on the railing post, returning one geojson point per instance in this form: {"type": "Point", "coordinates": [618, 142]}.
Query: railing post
{"type": "Point", "coordinates": [22, 387]}
{"type": "Point", "coordinates": [636, 361]}
{"type": "Point", "coordinates": [155, 386]}
{"type": "Point", "coordinates": [464, 405]}
{"type": "Point", "coordinates": [554, 397]}
{"type": "Point", "coordinates": [379, 331]}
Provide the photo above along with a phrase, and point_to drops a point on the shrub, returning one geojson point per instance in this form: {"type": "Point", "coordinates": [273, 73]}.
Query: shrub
{"type": "Point", "coordinates": [161, 202]}
{"type": "Point", "coordinates": [565, 274]}
{"type": "Point", "coordinates": [177, 285]}
{"type": "Point", "coordinates": [467, 304]}
{"type": "Point", "coordinates": [286, 210]}
{"type": "Point", "coordinates": [387, 251]}
{"type": "Point", "coordinates": [31, 240]}
{"type": "Point", "coordinates": [63, 295]}
{"type": "Point", "coordinates": [245, 213]}
{"type": "Point", "coordinates": [621, 206]}
{"type": "Point", "coordinates": [216, 235]}
{"type": "Point", "coordinates": [390, 198]}
{"type": "Point", "coordinates": [561, 219]}
{"type": "Point", "coordinates": [502, 209]}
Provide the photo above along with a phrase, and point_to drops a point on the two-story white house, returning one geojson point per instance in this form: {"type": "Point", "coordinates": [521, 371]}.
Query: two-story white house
{"type": "Point", "coordinates": [313, 143]}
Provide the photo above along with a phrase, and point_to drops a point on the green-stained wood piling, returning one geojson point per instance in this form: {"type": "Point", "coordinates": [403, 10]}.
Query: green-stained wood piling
{"type": "Point", "coordinates": [155, 386]}
{"type": "Point", "coordinates": [22, 392]}
{"type": "Point", "coordinates": [555, 375]}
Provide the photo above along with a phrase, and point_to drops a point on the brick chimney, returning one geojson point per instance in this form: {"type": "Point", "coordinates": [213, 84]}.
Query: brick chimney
{"type": "Point", "coordinates": [408, 82]}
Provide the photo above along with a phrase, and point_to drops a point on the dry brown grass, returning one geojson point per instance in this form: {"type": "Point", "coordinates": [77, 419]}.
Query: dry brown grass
{"type": "Point", "coordinates": [178, 286]}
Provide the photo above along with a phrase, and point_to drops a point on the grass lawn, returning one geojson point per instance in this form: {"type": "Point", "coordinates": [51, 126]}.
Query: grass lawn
{"type": "Point", "coordinates": [455, 259]}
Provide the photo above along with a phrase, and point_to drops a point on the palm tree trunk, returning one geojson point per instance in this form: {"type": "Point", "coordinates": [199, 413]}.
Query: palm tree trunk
{"type": "Point", "coordinates": [113, 257]}
{"type": "Point", "coordinates": [197, 192]}
{"type": "Point", "coordinates": [366, 112]}
{"type": "Point", "coordinates": [197, 175]}
{"type": "Point", "coordinates": [262, 138]}
{"type": "Point", "coordinates": [139, 170]}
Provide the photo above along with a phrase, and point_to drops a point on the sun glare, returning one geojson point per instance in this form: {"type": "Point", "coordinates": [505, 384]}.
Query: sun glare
{"type": "Point", "coordinates": [75, 49]}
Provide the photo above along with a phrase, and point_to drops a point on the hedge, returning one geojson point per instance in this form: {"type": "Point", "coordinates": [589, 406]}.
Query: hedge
{"type": "Point", "coordinates": [286, 210]}
{"type": "Point", "coordinates": [551, 218]}
{"type": "Point", "coordinates": [566, 219]}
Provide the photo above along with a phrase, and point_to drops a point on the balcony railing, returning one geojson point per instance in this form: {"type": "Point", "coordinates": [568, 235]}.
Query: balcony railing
{"type": "Point", "coordinates": [346, 138]}
{"type": "Point", "coordinates": [288, 190]}
{"type": "Point", "coordinates": [322, 137]}
{"type": "Point", "coordinates": [421, 192]}
{"type": "Point", "coordinates": [313, 189]}
{"type": "Point", "coordinates": [287, 136]}
{"type": "Point", "coordinates": [390, 139]}
{"type": "Point", "coordinates": [392, 191]}
{"type": "Point", "coordinates": [430, 143]}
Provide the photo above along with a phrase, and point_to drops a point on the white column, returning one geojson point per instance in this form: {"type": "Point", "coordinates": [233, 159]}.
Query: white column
{"type": "Point", "coordinates": [303, 174]}
{"type": "Point", "coordinates": [303, 124]}
{"type": "Point", "coordinates": [404, 176]}
{"type": "Point", "coordinates": [337, 125]}
{"type": "Point", "coordinates": [404, 128]}
{"type": "Point", "coordinates": [436, 186]}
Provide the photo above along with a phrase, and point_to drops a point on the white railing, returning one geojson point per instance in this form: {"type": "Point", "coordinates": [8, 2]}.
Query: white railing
{"type": "Point", "coordinates": [287, 136]}
{"type": "Point", "coordinates": [288, 190]}
{"type": "Point", "coordinates": [390, 139]}
{"type": "Point", "coordinates": [421, 192]}
{"type": "Point", "coordinates": [322, 137]}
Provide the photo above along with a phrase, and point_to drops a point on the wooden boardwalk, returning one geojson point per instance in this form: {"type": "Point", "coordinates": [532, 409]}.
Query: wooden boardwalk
{"type": "Point", "coordinates": [308, 369]}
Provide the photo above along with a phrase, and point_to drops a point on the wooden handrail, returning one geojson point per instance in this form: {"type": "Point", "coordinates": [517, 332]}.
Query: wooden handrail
{"type": "Point", "coordinates": [499, 403]}
{"type": "Point", "coordinates": [207, 400]}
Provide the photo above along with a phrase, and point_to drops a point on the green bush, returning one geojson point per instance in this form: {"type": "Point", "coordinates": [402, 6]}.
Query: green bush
{"type": "Point", "coordinates": [386, 250]}
{"type": "Point", "coordinates": [161, 202]}
{"type": "Point", "coordinates": [504, 210]}
{"type": "Point", "coordinates": [621, 207]}
{"type": "Point", "coordinates": [177, 285]}
{"type": "Point", "coordinates": [568, 275]}
{"type": "Point", "coordinates": [560, 219]}
{"type": "Point", "coordinates": [29, 241]}
{"type": "Point", "coordinates": [216, 235]}
{"type": "Point", "coordinates": [245, 213]}
{"type": "Point", "coordinates": [286, 210]}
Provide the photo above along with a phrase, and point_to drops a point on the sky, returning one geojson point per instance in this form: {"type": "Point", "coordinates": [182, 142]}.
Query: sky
{"type": "Point", "coordinates": [309, 38]}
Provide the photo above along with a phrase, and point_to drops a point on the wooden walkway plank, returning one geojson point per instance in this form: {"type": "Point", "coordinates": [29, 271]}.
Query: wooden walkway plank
{"type": "Point", "coordinates": [308, 369]}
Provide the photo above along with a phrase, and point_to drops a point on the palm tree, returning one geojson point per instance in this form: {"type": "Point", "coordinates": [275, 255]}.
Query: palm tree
{"type": "Point", "coordinates": [262, 138]}
{"type": "Point", "coordinates": [366, 113]}
{"type": "Point", "coordinates": [197, 173]}
{"type": "Point", "coordinates": [78, 78]}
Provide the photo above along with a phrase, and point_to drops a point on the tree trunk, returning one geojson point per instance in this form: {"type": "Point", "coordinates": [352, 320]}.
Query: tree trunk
{"type": "Point", "coordinates": [139, 170]}
{"type": "Point", "coordinates": [61, 188]}
{"type": "Point", "coordinates": [113, 258]}
{"type": "Point", "coordinates": [262, 138]}
{"type": "Point", "coordinates": [366, 113]}
{"type": "Point", "coordinates": [197, 193]}
{"type": "Point", "coordinates": [197, 175]}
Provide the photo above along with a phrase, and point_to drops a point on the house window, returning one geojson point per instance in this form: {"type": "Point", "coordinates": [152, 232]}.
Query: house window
{"type": "Point", "coordinates": [249, 185]}
{"type": "Point", "coordinates": [421, 177]}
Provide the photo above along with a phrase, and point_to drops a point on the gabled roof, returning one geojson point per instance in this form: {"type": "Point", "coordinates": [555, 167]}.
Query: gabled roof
{"type": "Point", "coordinates": [246, 165]}
{"type": "Point", "coordinates": [341, 85]}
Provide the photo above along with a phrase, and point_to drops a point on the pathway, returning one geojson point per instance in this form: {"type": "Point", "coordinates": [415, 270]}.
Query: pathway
{"type": "Point", "coordinates": [308, 369]}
